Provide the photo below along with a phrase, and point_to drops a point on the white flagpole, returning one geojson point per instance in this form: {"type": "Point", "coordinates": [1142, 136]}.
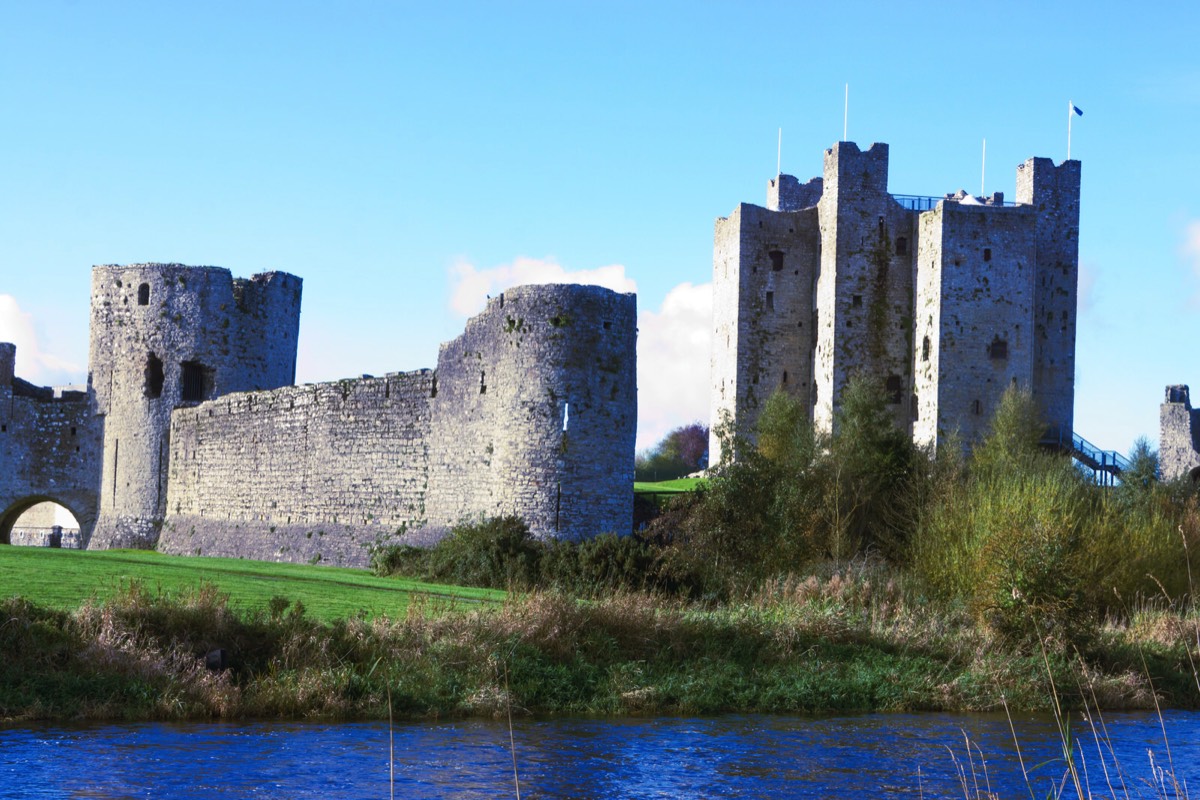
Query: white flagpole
{"type": "Point", "coordinates": [778, 153]}
{"type": "Point", "coordinates": [1070, 113]}
{"type": "Point", "coordinates": [983, 172]}
{"type": "Point", "coordinates": [846, 114]}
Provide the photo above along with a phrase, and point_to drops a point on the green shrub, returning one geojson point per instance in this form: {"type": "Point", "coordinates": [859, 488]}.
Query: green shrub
{"type": "Point", "coordinates": [600, 565]}
{"type": "Point", "coordinates": [399, 559]}
{"type": "Point", "coordinates": [495, 553]}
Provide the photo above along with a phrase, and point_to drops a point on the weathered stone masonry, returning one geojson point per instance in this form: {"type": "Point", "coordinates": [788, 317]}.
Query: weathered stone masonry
{"type": "Point", "coordinates": [190, 437]}
{"type": "Point", "coordinates": [947, 301]}
{"type": "Point", "coordinates": [531, 411]}
{"type": "Point", "coordinates": [49, 449]}
{"type": "Point", "coordinates": [1178, 435]}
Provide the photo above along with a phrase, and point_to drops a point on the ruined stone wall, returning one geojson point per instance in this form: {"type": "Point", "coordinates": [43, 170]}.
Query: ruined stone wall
{"type": "Point", "coordinates": [974, 316]}
{"type": "Point", "coordinates": [865, 289]}
{"type": "Point", "coordinates": [49, 449]}
{"type": "Point", "coordinates": [303, 473]}
{"type": "Point", "coordinates": [164, 336]}
{"type": "Point", "coordinates": [1053, 194]}
{"type": "Point", "coordinates": [1178, 435]}
{"type": "Point", "coordinates": [531, 411]}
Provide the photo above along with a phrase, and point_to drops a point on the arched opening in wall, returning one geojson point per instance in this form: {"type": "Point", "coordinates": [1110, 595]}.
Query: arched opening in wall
{"type": "Point", "coordinates": [154, 377]}
{"type": "Point", "coordinates": [895, 389]}
{"type": "Point", "coordinates": [144, 294]}
{"type": "Point", "coordinates": [195, 382]}
{"type": "Point", "coordinates": [776, 260]}
{"type": "Point", "coordinates": [40, 522]}
{"type": "Point", "coordinates": [1195, 475]}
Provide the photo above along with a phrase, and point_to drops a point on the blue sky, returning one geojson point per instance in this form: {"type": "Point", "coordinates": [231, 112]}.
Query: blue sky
{"type": "Point", "coordinates": [405, 159]}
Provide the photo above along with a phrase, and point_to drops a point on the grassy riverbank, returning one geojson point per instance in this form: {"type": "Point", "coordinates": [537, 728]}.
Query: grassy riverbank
{"type": "Point", "coordinates": [65, 579]}
{"type": "Point", "coordinates": [854, 641]}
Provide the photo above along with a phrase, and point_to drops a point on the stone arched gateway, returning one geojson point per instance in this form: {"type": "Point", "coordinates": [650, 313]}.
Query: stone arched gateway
{"type": "Point", "coordinates": [82, 505]}
{"type": "Point", "coordinates": [49, 449]}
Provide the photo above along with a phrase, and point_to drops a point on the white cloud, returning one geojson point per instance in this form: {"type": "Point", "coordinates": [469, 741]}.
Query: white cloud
{"type": "Point", "coordinates": [470, 286]}
{"type": "Point", "coordinates": [673, 362]}
{"type": "Point", "coordinates": [35, 366]}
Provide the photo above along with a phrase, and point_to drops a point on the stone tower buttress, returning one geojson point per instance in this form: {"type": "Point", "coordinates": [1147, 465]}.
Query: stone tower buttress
{"type": "Point", "coordinates": [1053, 193]}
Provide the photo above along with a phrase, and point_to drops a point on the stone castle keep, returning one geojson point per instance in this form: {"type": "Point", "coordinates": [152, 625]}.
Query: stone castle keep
{"type": "Point", "coordinates": [191, 437]}
{"type": "Point", "coordinates": [947, 301]}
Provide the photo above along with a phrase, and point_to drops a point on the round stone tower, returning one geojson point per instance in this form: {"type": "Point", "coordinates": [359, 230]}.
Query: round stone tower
{"type": "Point", "coordinates": [164, 336]}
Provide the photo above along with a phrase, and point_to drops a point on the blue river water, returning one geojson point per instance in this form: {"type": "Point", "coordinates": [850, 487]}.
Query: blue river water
{"type": "Point", "coordinates": [868, 756]}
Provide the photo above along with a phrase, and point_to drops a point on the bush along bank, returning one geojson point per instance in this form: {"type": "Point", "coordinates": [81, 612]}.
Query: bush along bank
{"type": "Point", "coordinates": [846, 642]}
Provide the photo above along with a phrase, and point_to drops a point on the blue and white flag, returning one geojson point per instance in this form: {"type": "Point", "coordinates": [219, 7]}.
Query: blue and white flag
{"type": "Point", "coordinates": [1075, 109]}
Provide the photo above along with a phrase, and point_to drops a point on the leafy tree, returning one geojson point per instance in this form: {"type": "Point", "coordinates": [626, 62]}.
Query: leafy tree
{"type": "Point", "coordinates": [866, 475]}
{"type": "Point", "coordinates": [681, 452]}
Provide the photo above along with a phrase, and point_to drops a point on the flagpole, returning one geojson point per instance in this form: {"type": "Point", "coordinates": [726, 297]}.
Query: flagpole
{"type": "Point", "coordinates": [846, 114]}
{"type": "Point", "coordinates": [983, 172]}
{"type": "Point", "coordinates": [1070, 113]}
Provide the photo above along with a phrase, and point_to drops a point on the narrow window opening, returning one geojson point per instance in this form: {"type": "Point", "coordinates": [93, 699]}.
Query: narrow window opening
{"type": "Point", "coordinates": [987, 254]}
{"type": "Point", "coordinates": [901, 245]}
{"type": "Point", "coordinates": [998, 349]}
{"type": "Point", "coordinates": [72, 430]}
{"type": "Point", "coordinates": [144, 294]}
{"type": "Point", "coordinates": [483, 383]}
{"type": "Point", "coordinates": [607, 325]}
{"type": "Point", "coordinates": [925, 349]}
{"type": "Point", "coordinates": [915, 407]}
{"type": "Point", "coordinates": [977, 408]}
{"type": "Point", "coordinates": [856, 301]}
{"type": "Point", "coordinates": [776, 260]}
{"type": "Point", "coordinates": [433, 388]}
{"type": "Point", "coordinates": [195, 382]}
{"type": "Point", "coordinates": [785, 377]}
{"type": "Point", "coordinates": [154, 377]}
{"type": "Point", "coordinates": [770, 301]}
{"type": "Point", "coordinates": [895, 390]}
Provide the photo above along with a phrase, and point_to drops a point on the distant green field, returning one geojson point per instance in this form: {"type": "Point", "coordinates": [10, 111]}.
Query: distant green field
{"type": "Point", "coordinates": [680, 485]}
{"type": "Point", "coordinates": [64, 579]}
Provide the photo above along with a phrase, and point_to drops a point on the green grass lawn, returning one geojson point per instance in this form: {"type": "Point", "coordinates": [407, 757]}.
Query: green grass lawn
{"type": "Point", "coordinates": [680, 485]}
{"type": "Point", "coordinates": [64, 579]}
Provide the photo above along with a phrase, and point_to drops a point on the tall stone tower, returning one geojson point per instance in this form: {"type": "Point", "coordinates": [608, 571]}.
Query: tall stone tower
{"type": "Point", "coordinates": [165, 336]}
{"type": "Point", "coordinates": [864, 294]}
{"type": "Point", "coordinates": [1052, 193]}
